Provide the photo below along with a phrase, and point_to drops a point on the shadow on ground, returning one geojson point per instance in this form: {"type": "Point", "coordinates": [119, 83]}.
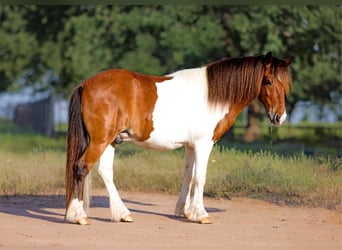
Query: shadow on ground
{"type": "Point", "coordinates": [48, 207]}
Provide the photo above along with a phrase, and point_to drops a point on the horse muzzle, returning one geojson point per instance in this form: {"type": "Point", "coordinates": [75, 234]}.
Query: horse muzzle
{"type": "Point", "coordinates": [276, 119]}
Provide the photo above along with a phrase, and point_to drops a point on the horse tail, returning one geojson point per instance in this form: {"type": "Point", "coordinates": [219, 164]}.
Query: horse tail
{"type": "Point", "coordinates": [77, 140]}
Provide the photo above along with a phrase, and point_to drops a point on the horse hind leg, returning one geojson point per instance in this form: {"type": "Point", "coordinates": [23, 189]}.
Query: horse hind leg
{"type": "Point", "coordinates": [118, 209]}
{"type": "Point", "coordinates": [75, 211]}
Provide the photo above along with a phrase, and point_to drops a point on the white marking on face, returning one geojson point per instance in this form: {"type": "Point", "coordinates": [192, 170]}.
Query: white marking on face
{"type": "Point", "coordinates": [181, 114]}
{"type": "Point", "coordinates": [282, 118]}
{"type": "Point", "coordinates": [275, 119]}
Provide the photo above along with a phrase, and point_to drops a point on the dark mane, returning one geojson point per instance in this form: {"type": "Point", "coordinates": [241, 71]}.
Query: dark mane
{"type": "Point", "coordinates": [239, 80]}
{"type": "Point", "coordinates": [234, 80]}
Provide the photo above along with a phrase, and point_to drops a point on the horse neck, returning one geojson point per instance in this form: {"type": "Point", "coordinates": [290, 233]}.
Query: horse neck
{"type": "Point", "coordinates": [235, 81]}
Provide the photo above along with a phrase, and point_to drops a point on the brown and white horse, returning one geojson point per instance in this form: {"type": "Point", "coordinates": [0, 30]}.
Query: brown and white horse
{"type": "Point", "coordinates": [191, 108]}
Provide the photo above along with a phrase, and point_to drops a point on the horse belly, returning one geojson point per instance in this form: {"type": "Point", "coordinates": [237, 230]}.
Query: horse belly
{"type": "Point", "coordinates": [161, 145]}
{"type": "Point", "coordinates": [177, 127]}
{"type": "Point", "coordinates": [167, 134]}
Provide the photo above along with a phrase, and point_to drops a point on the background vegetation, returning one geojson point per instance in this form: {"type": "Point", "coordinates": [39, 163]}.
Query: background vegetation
{"type": "Point", "coordinates": [277, 172]}
{"type": "Point", "coordinates": [60, 46]}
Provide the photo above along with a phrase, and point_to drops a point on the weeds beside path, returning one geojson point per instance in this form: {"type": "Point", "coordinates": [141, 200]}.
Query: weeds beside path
{"type": "Point", "coordinates": [289, 180]}
{"type": "Point", "coordinates": [33, 164]}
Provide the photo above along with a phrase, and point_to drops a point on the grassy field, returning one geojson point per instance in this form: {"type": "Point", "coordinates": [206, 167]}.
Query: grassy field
{"type": "Point", "coordinates": [278, 172]}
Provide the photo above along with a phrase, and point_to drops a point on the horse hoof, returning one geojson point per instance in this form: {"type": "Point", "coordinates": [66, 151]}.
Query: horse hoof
{"type": "Point", "coordinates": [83, 221]}
{"type": "Point", "coordinates": [128, 218]}
{"type": "Point", "coordinates": [205, 220]}
{"type": "Point", "coordinates": [187, 215]}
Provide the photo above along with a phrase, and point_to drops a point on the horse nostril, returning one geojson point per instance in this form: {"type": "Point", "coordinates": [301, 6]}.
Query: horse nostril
{"type": "Point", "coordinates": [277, 118]}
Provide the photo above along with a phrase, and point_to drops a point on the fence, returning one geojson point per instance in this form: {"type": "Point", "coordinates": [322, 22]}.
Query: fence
{"type": "Point", "coordinates": [38, 116]}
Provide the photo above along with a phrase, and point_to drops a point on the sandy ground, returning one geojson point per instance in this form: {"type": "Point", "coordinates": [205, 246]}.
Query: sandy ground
{"type": "Point", "coordinates": [33, 221]}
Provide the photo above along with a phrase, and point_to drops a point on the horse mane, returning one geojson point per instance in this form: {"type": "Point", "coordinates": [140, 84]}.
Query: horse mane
{"type": "Point", "coordinates": [239, 80]}
{"type": "Point", "coordinates": [282, 73]}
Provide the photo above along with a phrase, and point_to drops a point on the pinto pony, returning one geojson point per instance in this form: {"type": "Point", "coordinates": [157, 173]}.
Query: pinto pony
{"type": "Point", "coordinates": [191, 108]}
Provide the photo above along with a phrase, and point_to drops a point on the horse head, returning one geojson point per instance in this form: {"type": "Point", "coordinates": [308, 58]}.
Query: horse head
{"type": "Point", "coordinates": [275, 85]}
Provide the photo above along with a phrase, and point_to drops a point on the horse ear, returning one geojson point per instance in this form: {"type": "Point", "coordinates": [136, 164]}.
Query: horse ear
{"type": "Point", "coordinates": [288, 61]}
{"type": "Point", "coordinates": [267, 58]}
{"type": "Point", "coordinates": [267, 61]}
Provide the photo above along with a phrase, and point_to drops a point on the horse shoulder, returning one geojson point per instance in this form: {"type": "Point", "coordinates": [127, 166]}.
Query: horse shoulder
{"type": "Point", "coordinates": [225, 124]}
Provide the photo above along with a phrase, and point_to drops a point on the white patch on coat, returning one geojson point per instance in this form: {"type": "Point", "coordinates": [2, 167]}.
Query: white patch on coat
{"type": "Point", "coordinates": [118, 209]}
{"type": "Point", "coordinates": [181, 114]}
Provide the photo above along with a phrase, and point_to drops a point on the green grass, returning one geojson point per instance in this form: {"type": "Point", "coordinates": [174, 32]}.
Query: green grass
{"type": "Point", "coordinates": [231, 173]}
{"type": "Point", "coordinates": [14, 139]}
{"type": "Point", "coordinates": [295, 180]}
{"type": "Point", "coordinates": [312, 139]}
{"type": "Point", "coordinates": [35, 172]}
{"type": "Point", "coordinates": [281, 173]}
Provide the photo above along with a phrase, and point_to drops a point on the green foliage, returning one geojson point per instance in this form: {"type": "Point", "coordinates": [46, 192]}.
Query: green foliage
{"type": "Point", "coordinates": [17, 46]}
{"type": "Point", "coordinates": [76, 42]}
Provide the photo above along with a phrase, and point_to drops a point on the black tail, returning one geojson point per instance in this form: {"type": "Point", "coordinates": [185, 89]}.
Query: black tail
{"type": "Point", "coordinates": [76, 142]}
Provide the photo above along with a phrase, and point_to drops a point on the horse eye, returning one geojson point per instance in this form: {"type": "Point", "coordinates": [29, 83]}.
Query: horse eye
{"type": "Point", "coordinates": [267, 82]}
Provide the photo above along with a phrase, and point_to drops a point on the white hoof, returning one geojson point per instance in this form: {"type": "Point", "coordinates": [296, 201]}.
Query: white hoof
{"type": "Point", "coordinates": [199, 215]}
{"type": "Point", "coordinates": [127, 218]}
{"type": "Point", "coordinates": [75, 212]}
{"type": "Point", "coordinates": [83, 221]}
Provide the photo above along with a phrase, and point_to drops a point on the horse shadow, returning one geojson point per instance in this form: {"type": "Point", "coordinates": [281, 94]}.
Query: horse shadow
{"type": "Point", "coordinates": [41, 207]}
{"type": "Point", "coordinates": [51, 208]}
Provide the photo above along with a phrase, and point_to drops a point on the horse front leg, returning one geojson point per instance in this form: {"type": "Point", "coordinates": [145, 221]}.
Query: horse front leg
{"type": "Point", "coordinates": [118, 209]}
{"type": "Point", "coordinates": [183, 203]}
{"type": "Point", "coordinates": [196, 211]}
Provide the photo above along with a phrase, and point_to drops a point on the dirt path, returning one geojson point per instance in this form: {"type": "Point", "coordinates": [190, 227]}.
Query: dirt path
{"type": "Point", "coordinates": [238, 224]}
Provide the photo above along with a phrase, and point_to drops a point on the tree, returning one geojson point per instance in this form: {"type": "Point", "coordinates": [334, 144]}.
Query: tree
{"type": "Point", "coordinates": [75, 42]}
{"type": "Point", "coordinates": [310, 33]}
{"type": "Point", "coordinates": [316, 42]}
{"type": "Point", "coordinates": [17, 46]}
